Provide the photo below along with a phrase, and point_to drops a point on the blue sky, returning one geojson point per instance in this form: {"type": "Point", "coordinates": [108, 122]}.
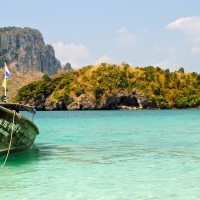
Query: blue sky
{"type": "Point", "coordinates": [164, 33]}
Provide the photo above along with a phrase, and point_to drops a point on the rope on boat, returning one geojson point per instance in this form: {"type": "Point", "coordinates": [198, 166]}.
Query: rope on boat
{"type": "Point", "coordinates": [19, 116]}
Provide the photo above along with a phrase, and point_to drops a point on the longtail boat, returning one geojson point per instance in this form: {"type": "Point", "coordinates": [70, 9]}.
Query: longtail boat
{"type": "Point", "coordinates": [17, 133]}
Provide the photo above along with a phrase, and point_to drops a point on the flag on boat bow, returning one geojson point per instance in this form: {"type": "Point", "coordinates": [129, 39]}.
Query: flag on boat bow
{"type": "Point", "coordinates": [7, 75]}
{"type": "Point", "coordinates": [4, 84]}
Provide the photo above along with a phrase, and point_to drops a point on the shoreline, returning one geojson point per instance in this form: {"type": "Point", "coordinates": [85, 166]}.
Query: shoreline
{"type": "Point", "coordinates": [150, 109]}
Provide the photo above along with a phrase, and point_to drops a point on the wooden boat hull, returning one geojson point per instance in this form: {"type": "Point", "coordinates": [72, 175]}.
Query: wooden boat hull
{"type": "Point", "coordinates": [23, 135]}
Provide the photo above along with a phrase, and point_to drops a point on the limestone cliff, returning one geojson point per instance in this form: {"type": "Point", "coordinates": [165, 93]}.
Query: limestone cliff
{"type": "Point", "coordinates": [26, 48]}
{"type": "Point", "coordinates": [120, 101]}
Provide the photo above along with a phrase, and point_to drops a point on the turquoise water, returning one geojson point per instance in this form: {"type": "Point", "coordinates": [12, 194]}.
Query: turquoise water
{"type": "Point", "coordinates": [108, 155]}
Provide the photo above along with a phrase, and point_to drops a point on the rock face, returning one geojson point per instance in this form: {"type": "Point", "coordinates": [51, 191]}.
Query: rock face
{"type": "Point", "coordinates": [120, 101]}
{"type": "Point", "coordinates": [26, 48]}
{"type": "Point", "coordinates": [67, 67]}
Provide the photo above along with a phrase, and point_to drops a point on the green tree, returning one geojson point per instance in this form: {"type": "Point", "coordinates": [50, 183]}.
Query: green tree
{"type": "Point", "coordinates": [181, 70]}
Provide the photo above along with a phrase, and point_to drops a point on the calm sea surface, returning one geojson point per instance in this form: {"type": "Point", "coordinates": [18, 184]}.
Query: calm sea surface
{"type": "Point", "coordinates": [108, 155]}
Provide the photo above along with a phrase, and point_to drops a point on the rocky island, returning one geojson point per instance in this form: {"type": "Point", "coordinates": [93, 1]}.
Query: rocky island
{"type": "Point", "coordinates": [108, 87]}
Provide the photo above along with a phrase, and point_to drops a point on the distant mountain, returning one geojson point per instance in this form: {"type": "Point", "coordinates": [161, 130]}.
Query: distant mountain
{"type": "Point", "coordinates": [25, 49]}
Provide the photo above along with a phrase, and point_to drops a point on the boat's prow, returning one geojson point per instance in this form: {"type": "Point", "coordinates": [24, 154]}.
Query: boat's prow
{"type": "Point", "coordinates": [23, 130]}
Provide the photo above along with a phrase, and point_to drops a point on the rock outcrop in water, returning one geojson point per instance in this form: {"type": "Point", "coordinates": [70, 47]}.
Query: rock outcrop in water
{"type": "Point", "coordinates": [120, 101]}
{"type": "Point", "coordinates": [26, 48]}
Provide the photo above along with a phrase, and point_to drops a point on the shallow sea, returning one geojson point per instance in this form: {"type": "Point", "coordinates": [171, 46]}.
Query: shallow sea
{"type": "Point", "coordinates": [146, 154]}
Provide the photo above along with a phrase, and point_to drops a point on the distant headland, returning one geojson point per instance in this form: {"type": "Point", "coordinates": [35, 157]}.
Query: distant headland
{"type": "Point", "coordinates": [113, 87]}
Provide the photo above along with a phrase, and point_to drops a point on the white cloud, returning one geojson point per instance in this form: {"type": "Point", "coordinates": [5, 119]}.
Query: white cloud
{"type": "Point", "coordinates": [170, 49]}
{"type": "Point", "coordinates": [105, 59]}
{"type": "Point", "coordinates": [125, 37]}
{"type": "Point", "coordinates": [146, 30]}
{"type": "Point", "coordinates": [159, 48]}
{"type": "Point", "coordinates": [189, 25]}
{"type": "Point", "coordinates": [195, 51]}
{"type": "Point", "coordinates": [77, 55]}
{"type": "Point", "coordinates": [170, 63]}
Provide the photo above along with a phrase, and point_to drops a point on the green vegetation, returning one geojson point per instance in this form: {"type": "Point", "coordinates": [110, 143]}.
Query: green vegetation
{"type": "Point", "coordinates": [164, 89]}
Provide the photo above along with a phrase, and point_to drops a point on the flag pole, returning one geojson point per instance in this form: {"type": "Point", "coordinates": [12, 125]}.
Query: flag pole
{"type": "Point", "coordinates": [5, 84]}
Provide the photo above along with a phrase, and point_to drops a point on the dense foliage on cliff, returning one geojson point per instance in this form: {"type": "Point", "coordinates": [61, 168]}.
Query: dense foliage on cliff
{"type": "Point", "coordinates": [163, 88]}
